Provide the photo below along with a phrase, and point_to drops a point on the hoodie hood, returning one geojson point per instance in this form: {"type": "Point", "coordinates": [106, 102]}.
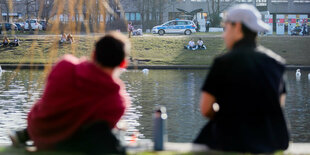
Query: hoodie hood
{"type": "Point", "coordinates": [91, 79]}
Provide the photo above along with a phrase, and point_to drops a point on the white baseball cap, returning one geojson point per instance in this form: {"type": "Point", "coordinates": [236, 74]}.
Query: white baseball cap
{"type": "Point", "coordinates": [248, 15]}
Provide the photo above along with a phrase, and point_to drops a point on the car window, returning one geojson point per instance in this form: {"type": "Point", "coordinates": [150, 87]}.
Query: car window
{"type": "Point", "coordinates": [166, 24]}
{"type": "Point", "coordinates": [169, 24]}
{"type": "Point", "coordinates": [181, 23]}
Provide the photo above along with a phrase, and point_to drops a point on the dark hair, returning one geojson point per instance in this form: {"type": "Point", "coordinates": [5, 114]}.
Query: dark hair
{"type": "Point", "coordinates": [111, 50]}
{"type": "Point", "coordinates": [248, 34]}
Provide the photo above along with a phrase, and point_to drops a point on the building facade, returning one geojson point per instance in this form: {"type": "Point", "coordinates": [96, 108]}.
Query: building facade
{"type": "Point", "coordinates": [136, 11]}
{"type": "Point", "coordinates": [147, 13]}
{"type": "Point", "coordinates": [287, 14]}
{"type": "Point", "coordinates": [19, 10]}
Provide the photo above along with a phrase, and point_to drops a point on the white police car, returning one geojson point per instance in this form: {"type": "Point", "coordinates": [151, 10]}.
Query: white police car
{"type": "Point", "coordinates": [186, 27]}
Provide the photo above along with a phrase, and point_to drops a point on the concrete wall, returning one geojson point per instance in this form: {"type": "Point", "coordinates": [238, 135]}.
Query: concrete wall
{"type": "Point", "coordinates": [130, 5]}
{"type": "Point", "coordinates": [289, 7]}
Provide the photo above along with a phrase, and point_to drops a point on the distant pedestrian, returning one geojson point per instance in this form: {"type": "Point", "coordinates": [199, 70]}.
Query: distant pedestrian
{"type": "Point", "coordinates": [304, 31]}
{"type": "Point", "coordinates": [207, 26]}
{"type": "Point", "coordinates": [197, 25]}
{"type": "Point", "coordinates": [130, 29]}
{"type": "Point", "coordinates": [244, 92]}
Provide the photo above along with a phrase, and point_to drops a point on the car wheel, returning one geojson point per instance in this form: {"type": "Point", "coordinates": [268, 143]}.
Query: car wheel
{"type": "Point", "coordinates": [188, 32]}
{"type": "Point", "coordinates": [161, 32]}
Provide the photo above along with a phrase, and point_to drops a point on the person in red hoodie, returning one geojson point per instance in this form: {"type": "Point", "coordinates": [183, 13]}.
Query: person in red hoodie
{"type": "Point", "coordinates": [82, 101]}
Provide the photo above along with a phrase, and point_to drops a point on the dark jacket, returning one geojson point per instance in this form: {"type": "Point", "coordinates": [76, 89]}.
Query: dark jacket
{"type": "Point", "coordinates": [247, 83]}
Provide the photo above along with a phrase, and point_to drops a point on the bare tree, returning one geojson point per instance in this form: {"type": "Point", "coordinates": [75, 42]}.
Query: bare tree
{"type": "Point", "coordinates": [46, 7]}
{"type": "Point", "coordinates": [214, 12]}
{"type": "Point", "coordinates": [151, 12]}
{"type": "Point", "coordinates": [30, 7]}
{"type": "Point", "coordinates": [215, 7]}
{"type": "Point", "coordinates": [5, 7]}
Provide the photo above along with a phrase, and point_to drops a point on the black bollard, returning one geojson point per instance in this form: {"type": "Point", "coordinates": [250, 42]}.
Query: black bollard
{"type": "Point", "coordinates": [159, 136]}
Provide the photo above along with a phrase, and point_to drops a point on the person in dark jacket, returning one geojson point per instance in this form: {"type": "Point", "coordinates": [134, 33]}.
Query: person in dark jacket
{"type": "Point", "coordinates": [15, 42]}
{"type": "Point", "coordinates": [244, 92]}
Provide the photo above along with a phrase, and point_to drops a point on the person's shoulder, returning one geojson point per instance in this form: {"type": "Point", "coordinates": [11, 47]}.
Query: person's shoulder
{"type": "Point", "coordinates": [222, 59]}
{"type": "Point", "coordinates": [68, 59]}
{"type": "Point", "coordinates": [64, 66]}
{"type": "Point", "coordinates": [269, 53]}
{"type": "Point", "coordinates": [226, 56]}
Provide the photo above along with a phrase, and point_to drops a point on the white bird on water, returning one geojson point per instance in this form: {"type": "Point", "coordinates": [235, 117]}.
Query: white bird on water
{"type": "Point", "coordinates": [298, 74]}
{"type": "Point", "coordinates": [308, 76]}
{"type": "Point", "coordinates": [145, 71]}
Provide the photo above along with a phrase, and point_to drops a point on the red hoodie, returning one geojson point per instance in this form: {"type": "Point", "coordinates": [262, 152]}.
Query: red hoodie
{"type": "Point", "coordinates": [76, 93]}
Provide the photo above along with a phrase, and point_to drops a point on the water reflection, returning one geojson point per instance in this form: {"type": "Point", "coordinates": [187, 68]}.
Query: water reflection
{"type": "Point", "coordinates": [298, 107]}
{"type": "Point", "coordinates": [178, 90]}
{"type": "Point", "coordinates": [16, 98]}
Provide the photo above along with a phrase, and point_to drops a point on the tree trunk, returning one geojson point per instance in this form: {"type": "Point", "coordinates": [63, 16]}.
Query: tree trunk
{"type": "Point", "coordinates": [142, 14]}
{"type": "Point", "coordinates": [27, 12]}
{"type": "Point", "coordinates": [218, 7]}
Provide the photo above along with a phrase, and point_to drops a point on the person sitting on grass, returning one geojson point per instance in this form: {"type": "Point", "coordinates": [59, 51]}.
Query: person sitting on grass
{"type": "Point", "coordinates": [5, 41]}
{"type": "Point", "coordinates": [15, 42]}
{"type": "Point", "coordinates": [82, 102]}
{"type": "Point", "coordinates": [63, 38]}
{"type": "Point", "coordinates": [191, 45]}
{"type": "Point", "coordinates": [200, 44]}
{"type": "Point", "coordinates": [70, 39]}
{"type": "Point", "coordinates": [137, 32]}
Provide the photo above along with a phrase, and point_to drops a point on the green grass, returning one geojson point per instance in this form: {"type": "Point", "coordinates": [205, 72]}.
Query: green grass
{"type": "Point", "coordinates": [170, 51]}
{"type": "Point", "coordinates": [295, 50]}
{"type": "Point", "coordinates": [22, 151]}
{"type": "Point", "coordinates": [151, 49]}
{"type": "Point", "coordinates": [44, 50]}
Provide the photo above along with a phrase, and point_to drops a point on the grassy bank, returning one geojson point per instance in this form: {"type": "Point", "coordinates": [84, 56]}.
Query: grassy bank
{"type": "Point", "coordinates": [151, 49]}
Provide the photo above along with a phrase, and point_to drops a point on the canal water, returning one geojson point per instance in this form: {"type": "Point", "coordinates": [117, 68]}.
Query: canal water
{"type": "Point", "coordinates": [177, 90]}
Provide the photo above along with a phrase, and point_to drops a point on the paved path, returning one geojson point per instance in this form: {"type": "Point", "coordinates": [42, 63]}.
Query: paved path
{"type": "Point", "coordinates": [41, 66]}
{"type": "Point", "coordinates": [294, 148]}
{"type": "Point", "coordinates": [173, 148]}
